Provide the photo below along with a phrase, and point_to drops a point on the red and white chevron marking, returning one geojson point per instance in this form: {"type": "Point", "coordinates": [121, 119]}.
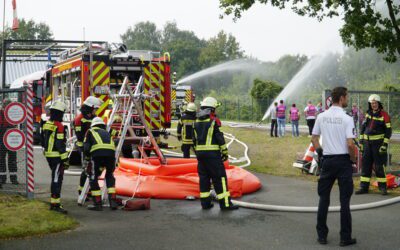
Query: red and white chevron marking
{"type": "Point", "coordinates": [29, 141]}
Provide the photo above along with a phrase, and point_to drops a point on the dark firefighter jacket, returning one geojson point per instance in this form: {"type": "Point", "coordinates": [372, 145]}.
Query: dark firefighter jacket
{"type": "Point", "coordinates": [208, 139]}
{"type": "Point", "coordinates": [185, 127]}
{"type": "Point", "coordinates": [376, 127]}
{"type": "Point", "coordinates": [54, 140]}
{"type": "Point", "coordinates": [81, 126]}
{"type": "Point", "coordinates": [98, 142]}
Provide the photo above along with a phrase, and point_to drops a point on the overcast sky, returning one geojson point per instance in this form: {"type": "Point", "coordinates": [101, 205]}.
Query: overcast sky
{"type": "Point", "coordinates": [263, 32]}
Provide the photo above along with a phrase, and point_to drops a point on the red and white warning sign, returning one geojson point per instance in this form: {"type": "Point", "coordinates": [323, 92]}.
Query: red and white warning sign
{"type": "Point", "coordinates": [15, 113]}
{"type": "Point", "coordinates": [14, 139]}
{"type": "Point", "coordinates": [328, 102]}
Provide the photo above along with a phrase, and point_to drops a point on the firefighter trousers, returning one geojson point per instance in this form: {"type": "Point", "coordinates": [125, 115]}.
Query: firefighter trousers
{"type": "Point", "coordinates": [335, 167]}
{"type": "Point", "coordinates": [212, 169]}
{"type": "Point", "coordinates": [7, 159]}
{"type": "Point", "coordinates": [57, 176]}
{"type": "Point", "coordinates": [98, 164]}
{"type": "Point", "coordinates": [186, 150]}
{"type": "Point", "coordinates": [371, 157]}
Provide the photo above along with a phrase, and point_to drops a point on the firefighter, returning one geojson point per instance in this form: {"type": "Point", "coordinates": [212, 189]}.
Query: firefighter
{"type": "Point", "coordinates": [100, 149]}
{"type": "Point", "coordinates": [4, 152]}
{"type": "Point", "coordinates": [374, 139]}
{"type": "Point", "coordinates": [81, 125]}
{"type": "Point", "coordinates": [55, 152]}
{"type": "Point", "coordinates": [211, 152]}
{"type": "Point", "coordinates": [185, 129]}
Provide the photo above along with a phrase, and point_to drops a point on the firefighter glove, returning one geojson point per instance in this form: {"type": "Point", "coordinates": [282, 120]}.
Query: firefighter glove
{"type": "Point", "coordinates": [224, 153]}
{"type": "Point", "coordinates": [361, 145]}
{"type": "Point", "coordinates": [66, 164]}
{"type": "Point", "coordinates": [319, 153]}
{"type": "Point", "coordinates": [383, 148]}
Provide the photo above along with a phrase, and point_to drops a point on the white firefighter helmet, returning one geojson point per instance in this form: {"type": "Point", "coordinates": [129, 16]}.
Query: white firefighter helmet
{"type": "Point", "coordinates": [93, 102]}
{"type": "Point", "coordinates": [374, 97]}
{"type": "Point", "coordinates": [58, 105]}
{"type": "Point", "coordinates": [210, 102]}
{"type": "Point", "coordinates": [191, 107]}
{"type": "Point", "coordinates": [97, 121]}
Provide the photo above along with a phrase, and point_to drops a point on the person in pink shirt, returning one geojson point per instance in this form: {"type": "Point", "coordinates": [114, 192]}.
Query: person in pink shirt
{"type": "Point", "coordinates": [310, 113]}
{"type": "Point", "coordinates": [294, 119]}
{"type": "Point", "coordinates": [281, 117]}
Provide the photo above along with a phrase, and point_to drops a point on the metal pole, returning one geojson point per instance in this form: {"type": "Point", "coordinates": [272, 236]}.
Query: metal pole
{"type": "Point", "coordinates": [252, 109]}
{"type": "Point", "coordinates": [3, 56]}
{"type": "Point", "coordinates": [388, 151]}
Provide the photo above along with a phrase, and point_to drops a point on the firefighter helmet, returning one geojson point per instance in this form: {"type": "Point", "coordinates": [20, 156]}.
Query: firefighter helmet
{"type": "Point", "coordinates": [93, 102]}
{"type": "Point", "coordinates": [97, 121]}
{"type": "Point", "coordinates": [191, 107]}
{"type": "Point", "coordinates": [210, 102]}
{"type": "Point", "coordinates": [374, 97]}
{"type": "Point", "coordinates": [59, 105]}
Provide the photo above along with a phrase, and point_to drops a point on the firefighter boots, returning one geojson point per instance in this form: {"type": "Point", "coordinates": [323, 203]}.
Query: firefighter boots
{"type": "Point", "coordinates": [113, 201]}
{"type": "Point", "coordinates": [97, 204]}
{"type": "Point", "coordinates": [207, 206]}
{"type": "Point", "coordinates": [382, 188]}
{"type": "Point", "coordinates": [58, 208]}
{"type": "Point", "coordinates": [362, 191]}
{"type": "Point", "coordinates": [229, 207]}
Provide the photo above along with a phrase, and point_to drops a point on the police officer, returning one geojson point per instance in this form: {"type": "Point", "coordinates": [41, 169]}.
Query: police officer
{"type": "Point", "coordinates": [211, 152]}
{"type": "Point", "coordinates": [337, 131]}
{"type": "Point", "coordinates": [55, 152]}
{"type": "Point", "coordinates": [185, 129]}
{"type": "Point", "coordinates": [4, 152]}
{"type": "Point", "coordinates": [374, 139]}
{"type": "Point", "coordinates": [81, 126]}
{"type": "Point", "coordinates": [100, 148]}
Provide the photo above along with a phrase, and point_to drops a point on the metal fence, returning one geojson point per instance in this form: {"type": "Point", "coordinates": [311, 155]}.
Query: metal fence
{"type": "Point", "coordinates": [14, 138]}
{"type": "Point", "coordinates": [247, 109]}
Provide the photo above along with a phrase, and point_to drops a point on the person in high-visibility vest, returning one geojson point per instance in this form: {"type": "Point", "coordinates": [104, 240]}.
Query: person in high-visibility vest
{"type": "Point", "coordinates": [185, 129]}
{"type": "Point", "coordinates": [211, 152]}
{"type": "Point", "coordinates": [375, 134]}
{"type": "Point", "coordinates": [81, 126]}
{"type": "Point", "coordinates": [100, 149]}
{"type": "Point", "coordinates": [55, 152]}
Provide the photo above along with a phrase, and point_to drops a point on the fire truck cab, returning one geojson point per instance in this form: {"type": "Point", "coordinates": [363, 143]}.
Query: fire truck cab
{"type": "Point", "coordinates": [99, 70]}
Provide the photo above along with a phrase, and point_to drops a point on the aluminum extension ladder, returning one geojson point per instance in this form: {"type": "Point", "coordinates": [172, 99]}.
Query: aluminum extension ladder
{"type": "Point", "coordinates": [128, 104]}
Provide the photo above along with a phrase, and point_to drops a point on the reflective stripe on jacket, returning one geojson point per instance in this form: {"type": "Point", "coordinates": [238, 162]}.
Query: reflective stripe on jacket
{"type": "Point", "coordinates": [207, 136]}
{"type": "Point", "coordinates": [54, 140]}
{"type": "Point", "coordinates": [98, 142]}
{"type": "Point", "coordinates": [376, 127]}
{"type": "Point", "coordinates": [185, 127]}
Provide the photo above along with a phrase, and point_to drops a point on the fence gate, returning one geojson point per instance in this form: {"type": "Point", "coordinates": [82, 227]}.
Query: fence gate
{"type": "Point", "coordinates": [16, 141]}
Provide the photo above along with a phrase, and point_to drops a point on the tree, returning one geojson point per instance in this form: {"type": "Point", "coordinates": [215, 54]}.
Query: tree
{"type": "Point", "coordinates": [184, 47]}
{"type": "Point", "coordinates": [221, 48]}
{"type": "Point", "coordinates": [367, 23]}
{"type": "Point", "coordinates": [265, 90]}
{"type": "Point", "coordinates": [143, 36]}
{"type": "Point", "coordinates": [29, 29]}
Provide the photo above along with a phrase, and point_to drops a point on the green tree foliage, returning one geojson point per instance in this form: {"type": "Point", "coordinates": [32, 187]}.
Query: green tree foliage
{"type": "Point", "coordinates": [28, 29]}
{"type": "Point", "coordinates": [143, 36]}
{"type": "Point", "coordinates": [367, 23]}
{"type": "Point", "coordinates": [264, 90]}
{"type": "Point", "coordinates": [220, 48]}
{"type": "Point", "coordinates": [184, 47]}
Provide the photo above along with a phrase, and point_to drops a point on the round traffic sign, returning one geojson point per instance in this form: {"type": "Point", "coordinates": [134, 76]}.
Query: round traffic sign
{"type": "Point", "coordinates": [14, 139]}
{"type": "Point", "coordinates": [15, 113]}
{"type": "Point", "coordinates": [328, 102]}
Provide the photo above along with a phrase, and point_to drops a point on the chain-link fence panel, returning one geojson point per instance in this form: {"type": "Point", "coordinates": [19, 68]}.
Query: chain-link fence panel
{"type": "Point", "coordinates": [13, 131]}
{"type": "Point", "coordinates": [358, 106]}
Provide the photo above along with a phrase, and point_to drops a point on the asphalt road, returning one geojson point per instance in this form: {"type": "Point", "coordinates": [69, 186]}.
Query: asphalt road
{"type": "Point", "coordinates": [180, 224]}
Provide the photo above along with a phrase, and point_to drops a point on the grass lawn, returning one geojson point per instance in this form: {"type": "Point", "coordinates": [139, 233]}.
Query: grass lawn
{"type": "Point", "coordinates": [20, 217]}
{"type": "Point", "coordinates": [275, 156]}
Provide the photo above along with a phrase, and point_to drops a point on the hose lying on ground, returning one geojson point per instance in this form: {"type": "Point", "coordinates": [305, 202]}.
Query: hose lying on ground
{"type": "Point", "coordinates": [314, 209]}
